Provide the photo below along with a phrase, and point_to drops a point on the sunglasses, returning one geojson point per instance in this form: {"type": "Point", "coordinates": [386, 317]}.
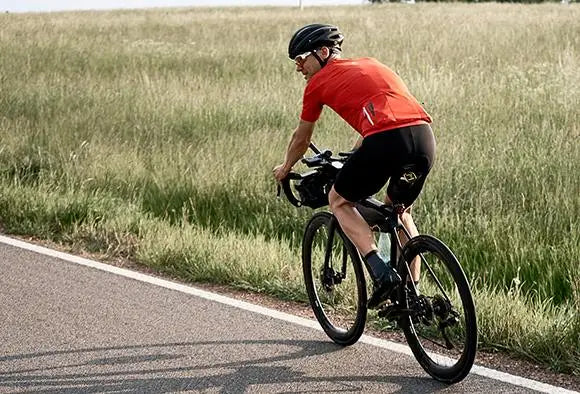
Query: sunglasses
{"type": "Point", "coordinates": [302, 57]}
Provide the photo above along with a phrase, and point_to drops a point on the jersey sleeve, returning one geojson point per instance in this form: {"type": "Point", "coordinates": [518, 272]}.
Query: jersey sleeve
{"type": "Point", "coordinates": [311, 104]}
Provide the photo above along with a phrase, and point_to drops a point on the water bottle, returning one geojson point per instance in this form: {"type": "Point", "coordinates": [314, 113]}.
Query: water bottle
{"type": "Point", "coordinates": [384, 246]}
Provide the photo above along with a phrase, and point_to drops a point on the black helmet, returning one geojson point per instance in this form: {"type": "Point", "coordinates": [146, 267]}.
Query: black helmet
{"type": "Point", "coordinates": [314, 36]}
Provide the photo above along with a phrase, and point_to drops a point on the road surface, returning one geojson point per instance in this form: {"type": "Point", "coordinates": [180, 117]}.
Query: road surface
{"type": "Point", "coordinates": [68, 327]}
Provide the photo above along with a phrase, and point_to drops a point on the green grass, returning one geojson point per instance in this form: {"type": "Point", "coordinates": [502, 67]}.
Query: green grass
{"type": "Point", "coordinates": [151, 135]}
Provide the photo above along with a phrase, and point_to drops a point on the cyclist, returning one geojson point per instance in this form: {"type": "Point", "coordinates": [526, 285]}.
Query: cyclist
{"type": "Point", "coordinates": [396, 143]}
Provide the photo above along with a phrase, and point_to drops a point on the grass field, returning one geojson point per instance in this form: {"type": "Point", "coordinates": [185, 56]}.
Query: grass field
{"type": "Point", "coordinates": [151, 135]}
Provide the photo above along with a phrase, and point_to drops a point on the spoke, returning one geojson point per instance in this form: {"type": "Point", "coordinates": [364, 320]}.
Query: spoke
{"type": "Point", "coordinates": [448, 343]}
{"type": "Point", "coordinates": [432, 341]}
{"type": "Point", "coordinates": [424, 261]}
{"type": "Point", "coordinates": [447, 340]}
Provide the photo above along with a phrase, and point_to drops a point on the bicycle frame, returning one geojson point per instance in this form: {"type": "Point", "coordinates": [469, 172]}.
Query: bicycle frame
{"type": "Point", "coordinates": [377, 214]}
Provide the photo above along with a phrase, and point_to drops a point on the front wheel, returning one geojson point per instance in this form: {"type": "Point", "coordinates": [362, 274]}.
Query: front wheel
{"type": "Point", "coordinates": [334, 279]}
{"type": "Point", "coordinates": [441, 326]}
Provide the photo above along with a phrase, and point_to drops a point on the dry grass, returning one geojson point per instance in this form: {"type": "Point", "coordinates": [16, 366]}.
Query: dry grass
{"type": "Point", "coordinates": [152, 134]}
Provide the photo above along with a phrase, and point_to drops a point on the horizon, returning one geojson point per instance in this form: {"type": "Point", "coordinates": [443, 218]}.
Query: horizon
{"type": "Point", "coordinates": [23, 6]}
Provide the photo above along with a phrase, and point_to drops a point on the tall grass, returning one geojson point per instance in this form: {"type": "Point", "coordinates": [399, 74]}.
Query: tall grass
{"type": "Point", "coordinates": [151, 135]}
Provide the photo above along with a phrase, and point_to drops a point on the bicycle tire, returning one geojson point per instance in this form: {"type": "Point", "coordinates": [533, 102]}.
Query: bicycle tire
{"type": "Point", "coordinates": [338, 334]}
{"type": "Point", "coordinates": [425, 244]}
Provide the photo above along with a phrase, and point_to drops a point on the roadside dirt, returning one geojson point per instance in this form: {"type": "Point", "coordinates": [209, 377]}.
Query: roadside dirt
{"type": "Point", "coordinates": [498, 361]}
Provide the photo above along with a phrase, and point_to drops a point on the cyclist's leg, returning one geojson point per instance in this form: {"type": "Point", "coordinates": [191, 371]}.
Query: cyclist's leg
{"type": "Point", "coordinates": [408, 180]}
{"type": "Point", "coordinates": [352, 223]}
{"type": "Point", "coordinates": [409, 224]}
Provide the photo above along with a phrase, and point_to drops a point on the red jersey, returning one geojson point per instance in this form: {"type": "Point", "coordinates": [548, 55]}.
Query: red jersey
{"type": "Point", "coordinates": [368, 95]}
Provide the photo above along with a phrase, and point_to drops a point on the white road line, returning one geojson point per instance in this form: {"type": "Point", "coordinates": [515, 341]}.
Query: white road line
{"type": "Point", "coordinates": [392, 346]}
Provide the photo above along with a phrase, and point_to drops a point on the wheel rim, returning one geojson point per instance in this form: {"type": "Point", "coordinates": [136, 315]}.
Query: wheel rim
{"type": "Point", "coordinates": [439, 316]}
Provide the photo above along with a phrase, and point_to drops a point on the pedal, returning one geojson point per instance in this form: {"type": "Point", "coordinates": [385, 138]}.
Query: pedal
{"type": "Point", "coordinates": [387, 311]}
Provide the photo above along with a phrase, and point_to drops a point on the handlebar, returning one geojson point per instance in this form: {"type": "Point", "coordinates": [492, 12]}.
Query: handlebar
{"type": "Point", "coordinates": [321, 160]}
{"type": "Point", "coordinates": [314, 148]}
{"type": "Point", "coordinates": [288, 190]}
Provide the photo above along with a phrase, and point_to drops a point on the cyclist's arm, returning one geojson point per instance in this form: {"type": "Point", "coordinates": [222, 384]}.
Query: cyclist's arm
{"type": "Point", "coordinates": [299, 144]}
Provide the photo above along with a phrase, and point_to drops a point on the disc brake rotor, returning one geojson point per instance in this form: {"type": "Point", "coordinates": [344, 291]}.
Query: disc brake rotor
{"type": "Point", "coordinates": [327, 278]}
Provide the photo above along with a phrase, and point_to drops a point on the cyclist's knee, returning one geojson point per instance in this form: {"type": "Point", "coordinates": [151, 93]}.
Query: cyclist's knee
{"type": "Point", "coordinates": [409, 224]}
{"type": "Point", "coordinates": [335, 200]}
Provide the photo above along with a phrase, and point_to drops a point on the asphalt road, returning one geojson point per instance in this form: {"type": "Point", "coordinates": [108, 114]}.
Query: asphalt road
{"type": "Point", "coordinates": [70, 328]}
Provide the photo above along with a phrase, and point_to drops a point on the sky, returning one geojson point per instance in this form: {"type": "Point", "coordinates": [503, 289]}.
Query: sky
{"type": "Point", "coordinates": [62, 5]}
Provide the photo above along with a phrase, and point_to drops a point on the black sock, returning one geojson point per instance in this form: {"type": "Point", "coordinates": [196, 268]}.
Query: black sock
{"type": "Point", "coordinates": [370, 253]}
{"type": "Point", "coordinates": [375, 265]}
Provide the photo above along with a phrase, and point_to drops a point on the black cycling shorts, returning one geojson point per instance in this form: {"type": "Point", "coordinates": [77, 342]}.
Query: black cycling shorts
{"type": "Point", "coordinates": [403, 157]}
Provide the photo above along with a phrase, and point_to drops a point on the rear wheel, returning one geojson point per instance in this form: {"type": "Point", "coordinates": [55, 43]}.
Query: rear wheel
{"type": "Point", "coordinates": [334, 279]}
{"type": "Point", "coordinates": [441, 326]}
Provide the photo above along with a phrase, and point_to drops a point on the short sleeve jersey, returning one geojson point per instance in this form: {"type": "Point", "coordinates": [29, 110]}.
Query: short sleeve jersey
{"type": "Point", "coordinates": [368, 95]}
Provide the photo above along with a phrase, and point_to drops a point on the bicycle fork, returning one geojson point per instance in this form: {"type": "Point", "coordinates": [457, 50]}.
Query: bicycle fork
{"type": "Point", "coordinates": [329, 276]}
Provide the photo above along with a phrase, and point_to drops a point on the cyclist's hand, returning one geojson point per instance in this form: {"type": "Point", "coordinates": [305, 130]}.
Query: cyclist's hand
{"type": "Point", "coordinates": [280, 172]}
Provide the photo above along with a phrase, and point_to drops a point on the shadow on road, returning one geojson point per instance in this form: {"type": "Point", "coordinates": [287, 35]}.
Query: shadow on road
{"type": "Point", "coordinates": [171, 367]}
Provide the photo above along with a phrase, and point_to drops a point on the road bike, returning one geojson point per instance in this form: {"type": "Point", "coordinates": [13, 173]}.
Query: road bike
{"type": "Point", "coordinates": [436, 313]}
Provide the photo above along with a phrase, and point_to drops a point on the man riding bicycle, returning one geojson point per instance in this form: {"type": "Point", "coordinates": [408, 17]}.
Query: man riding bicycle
{"type": "Point", "coordinates": [396, 143]}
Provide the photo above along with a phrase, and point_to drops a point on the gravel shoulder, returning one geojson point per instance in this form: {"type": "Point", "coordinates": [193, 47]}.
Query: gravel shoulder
{"type": "Point", "coordinates": [496, 360]}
